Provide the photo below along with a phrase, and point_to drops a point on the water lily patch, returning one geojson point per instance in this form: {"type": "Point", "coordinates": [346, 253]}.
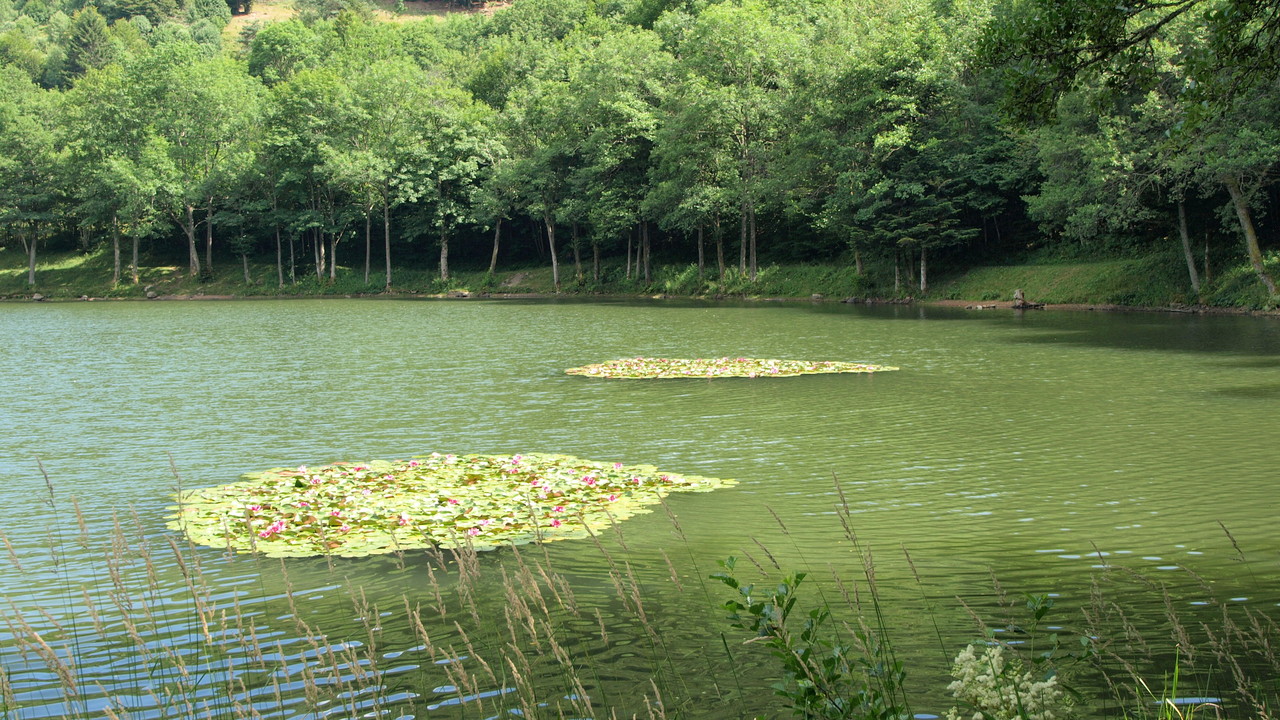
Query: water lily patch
{"type": "Point", "coordinates": [447, 501]}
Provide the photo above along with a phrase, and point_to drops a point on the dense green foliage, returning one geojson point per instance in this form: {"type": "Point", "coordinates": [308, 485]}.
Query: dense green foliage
{"type": "Point", "coordinates": [890, 138]}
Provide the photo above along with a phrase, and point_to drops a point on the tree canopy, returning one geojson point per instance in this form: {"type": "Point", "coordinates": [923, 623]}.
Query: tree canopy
{"type": "Point", "coordinates": [886, 138]}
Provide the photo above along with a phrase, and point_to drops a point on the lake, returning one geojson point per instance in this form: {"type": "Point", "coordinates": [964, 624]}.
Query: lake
{"type": "Point", "coordinates": [1123, 463]}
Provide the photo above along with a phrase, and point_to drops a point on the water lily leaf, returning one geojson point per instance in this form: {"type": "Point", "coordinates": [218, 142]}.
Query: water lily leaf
{"type": "Point", "coordinates": [482, 501]}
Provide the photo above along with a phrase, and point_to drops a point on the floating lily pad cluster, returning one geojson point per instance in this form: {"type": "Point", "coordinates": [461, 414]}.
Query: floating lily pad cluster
{"type": "Point", "coordinates": [718, 367]}
{"type": "Point", "coordinates": [482, 501]}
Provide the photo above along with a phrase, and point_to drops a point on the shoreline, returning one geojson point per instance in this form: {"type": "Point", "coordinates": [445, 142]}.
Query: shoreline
{"type": "Point", "coordinates": [970, 305]}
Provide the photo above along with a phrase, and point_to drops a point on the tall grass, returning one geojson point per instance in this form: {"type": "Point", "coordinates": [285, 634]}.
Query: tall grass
{"type": "Point", "coordinates": [157, 632]}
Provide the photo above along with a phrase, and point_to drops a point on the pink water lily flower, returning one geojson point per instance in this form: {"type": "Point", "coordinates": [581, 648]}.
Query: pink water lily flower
{"type": "Point", "coordinates": [589, 480]}
{"type": "Point", "coordinates": [555, 522]}
{"type": "Point", "coordinates": [473, 532]}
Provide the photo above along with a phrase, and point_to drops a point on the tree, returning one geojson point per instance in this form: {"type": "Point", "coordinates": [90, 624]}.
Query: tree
{"type": "Point", "coordinates": [744, 56]}
{"type": "Point", "coordinates": [1046, 46]}
{"type": "Point", "coordinates": [204, 112]}
{"type": "Point", "coordinates": [443, 171]}
{"type": "Point", "coordinates": [89, 45]}
{"type": "Point", "coordinates": [30, 160]}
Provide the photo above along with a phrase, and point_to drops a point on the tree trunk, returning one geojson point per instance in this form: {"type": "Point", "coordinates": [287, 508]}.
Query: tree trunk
{"type": "Point", "coordinates": [368, 242]}
{"type": "Point", "coordinates": [333, 255]}
{"type": "Point", "coordinates": [550, 222]}
{"type": "Point", "coordinates": [595, 261]}
{"type": "Point", "coordinates": [245, 260]}
{"type": "Point", "coordinates": [319, 254]}
{"type": "Point", "coordinates": [857, 260]}
{"type": "Point", "coordinates": [1186, 247]}
{"type": "Point", "coordinates": [444, 254]}
{"type": "Point", "coordinates": [1250, 233]}
{"type": "Point", "coordinates": [208, 237]}
{"type": "Point", "coordinates": [752, 220]}
{"type": "Point", "coordinates": [742, 240]}
{"type": "Point", "coordinates": [719, 233]}
{"type": "Point", "coordinates": [293, 262]}
{"type": "Point", "coordinates": [279, 258]}
{"type": "Point", "coordinates": [702, 260]}
{"type": "Point", "coordinates": [644, 235]}
{"type": "Point", "coordinates": [897, 272]}
{"type": "Point", "coordinates": [493, 257]}
{"type": "Point", "coordinates": [577, 258]}
{"type": "Point", "coordinates": [31, 255]}
{"type": "Point", "coordinates": [924, 272]}
{"type": "Point", "coordinates": [628, 256]}
{"type": "Point", "coordinates": [193, 255]}
{"type": "Point", "coordinates": [115, 251]}
{"type": "Point", "coordinates": [133, 266]}
{"type": "Point", "coordinates": [386, 238]}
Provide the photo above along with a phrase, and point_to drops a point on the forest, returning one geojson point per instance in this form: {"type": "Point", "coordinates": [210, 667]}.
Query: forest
{"type": "Point", "coordinates": [891, 139]}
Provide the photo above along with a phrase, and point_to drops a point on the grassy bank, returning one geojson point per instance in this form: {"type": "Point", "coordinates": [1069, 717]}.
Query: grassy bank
{"type": "Point", "coordinates": [1157, 281]}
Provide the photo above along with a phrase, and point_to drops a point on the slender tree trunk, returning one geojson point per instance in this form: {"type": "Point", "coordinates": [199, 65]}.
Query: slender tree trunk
{"type": "Point", "coordinates": [293, 261]}
{"type": "Point", "coordinates": [279, 258]}
{"type": "Point", "coordinates": [133, 266]}
{"type": "Point", "coordinates": [742, 240]}
{"type": "Point", "coordinates": [550, 222]}
{"type": "Point", "coordinates": [719, 233]}
{"type": "Point", "coordinates": [333, 255]}
{"type": "Point", "coordinates": [245, 261]}
{"type": "Point", "coordinates": [386, 238]}
{"type": "Point", "coordinates": [493, 257]}
{"type": "Point", "coordinates": [628, 256]}
{"type": "Point", "coordinates": [444, 254]}
{"type": "Point", "coordinates": [1250, 233]}
{"type": "Point", "coordinates": [857, 261]}
{"type": "Point", "coordinates": [644, 234]}
{"type": "Point", "coordinates": [897, 272]}
{"type": "Point", "coordinates": [115, 251]}
{"type": "Point", "coordinates": [595, 261]}
{"type": "Point", "coordinates": [702, 260]}
{"type": "Point", "coordinates": [1186, 247]}
{"type": "Point", "coordinates": [368, 242]}
{"type": "Point", "coordinates": [189, 227]}
{"type": "Point", "coordinates": [752, 220]}
{"type": "Point", "coordinates": [635, 265]}
{"type": "Point", "coordinates": [31, 254]}
{"type": "Point", "coordinates": [924, 272]}
{"type": "Point", "coordinates": [318, 251]}
{"type": "Point", "coordinates": [577, 258]}
{"type": "Point", "coordinates": [275, 208]}
{"type": "Point", "coordinates": [208, 237]}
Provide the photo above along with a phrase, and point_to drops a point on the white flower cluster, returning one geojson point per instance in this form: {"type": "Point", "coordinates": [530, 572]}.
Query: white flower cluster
{"type": "Point", "coordinates": [996, 689]}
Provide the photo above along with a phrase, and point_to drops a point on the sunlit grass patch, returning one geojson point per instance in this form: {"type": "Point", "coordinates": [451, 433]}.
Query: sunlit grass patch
{"type": "Point", "coordinates": [476, 501]}
{"type": "Point", "coordinates": [718, 367]}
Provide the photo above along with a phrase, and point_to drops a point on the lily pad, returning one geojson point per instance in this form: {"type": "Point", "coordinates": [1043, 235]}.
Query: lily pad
{"type": "Point", "coordinates": [645, 368]}
{"type": "Point", "coordinates": [447, 501]}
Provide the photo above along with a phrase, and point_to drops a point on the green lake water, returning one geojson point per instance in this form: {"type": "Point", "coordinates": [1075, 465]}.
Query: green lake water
{"type": "Point", "coordinates": [1034, 452]}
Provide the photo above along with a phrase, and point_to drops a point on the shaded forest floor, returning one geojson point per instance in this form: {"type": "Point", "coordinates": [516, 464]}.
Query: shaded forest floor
{"type": "Point", "coordinates": [1152, 282]}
